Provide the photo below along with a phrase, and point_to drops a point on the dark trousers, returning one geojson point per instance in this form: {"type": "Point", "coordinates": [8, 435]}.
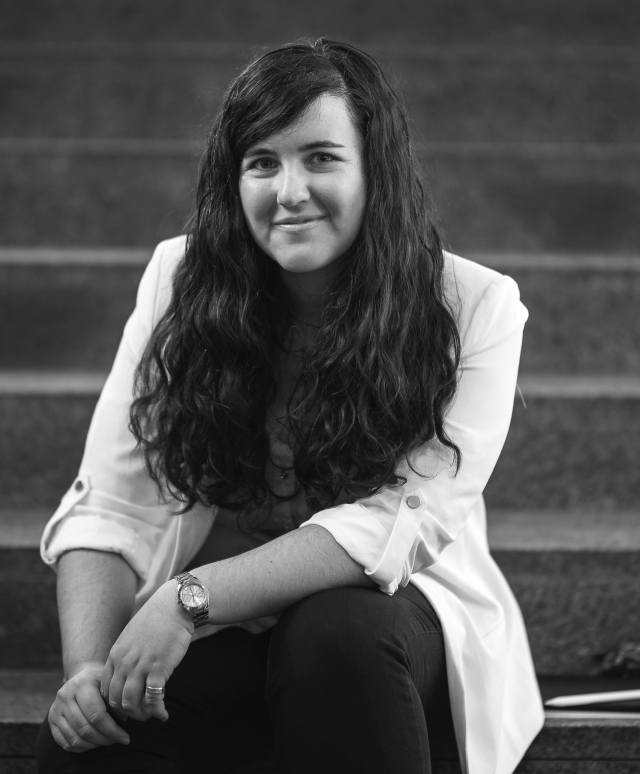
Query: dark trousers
{"type": "Point", "coordinates": [349, 680]}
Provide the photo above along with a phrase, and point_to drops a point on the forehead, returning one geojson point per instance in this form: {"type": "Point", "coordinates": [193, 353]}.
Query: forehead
{"type": "Point", "coordinates": [328, 118]}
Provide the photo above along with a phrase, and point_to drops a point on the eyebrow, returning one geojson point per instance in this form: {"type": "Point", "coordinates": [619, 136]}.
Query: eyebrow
{"type": "Point", "coordinates": [309, 146]}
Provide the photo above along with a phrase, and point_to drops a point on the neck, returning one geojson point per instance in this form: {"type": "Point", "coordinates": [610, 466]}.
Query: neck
{"type": "Point", "coordinates": [309, 292]}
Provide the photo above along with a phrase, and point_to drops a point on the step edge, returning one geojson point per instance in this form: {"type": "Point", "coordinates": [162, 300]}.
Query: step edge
{"type": "Point", "coordinates": [91, 256]}
{"type": "Point", "coordinates": [57, 383]}
{"type": "Point", "coordinates": [569, 530]}
{"type": "Point", "coordinates": [21, 528]}
{"type": "Point", "coordinates": [532, 386]}
{"type": "Point", "coordinates": [556, 262]}
{"type": "Point", "coordinates": [579, 387]}
{"type": "Point", "coordinates": [87, 257]}
{"type": "Point", "coordinates": [562, 719]}
{"type": "Point", "coordinates": [573, 531]}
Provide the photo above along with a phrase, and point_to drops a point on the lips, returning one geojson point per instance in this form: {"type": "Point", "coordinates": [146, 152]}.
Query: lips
{"type": "Point", "coordinates": [298, 224]}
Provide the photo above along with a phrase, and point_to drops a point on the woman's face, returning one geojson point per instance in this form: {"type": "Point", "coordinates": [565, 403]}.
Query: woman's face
{"type": "Point", "coordinates": [303, 189]}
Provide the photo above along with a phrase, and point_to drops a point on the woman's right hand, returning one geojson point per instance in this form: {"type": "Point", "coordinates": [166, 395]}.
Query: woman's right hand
{"type": "Point", "coordinates": [78, 717]}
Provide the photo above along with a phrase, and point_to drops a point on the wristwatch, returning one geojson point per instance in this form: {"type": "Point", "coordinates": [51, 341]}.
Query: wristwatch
{"type": "Point", "coordinates": [193, 597]}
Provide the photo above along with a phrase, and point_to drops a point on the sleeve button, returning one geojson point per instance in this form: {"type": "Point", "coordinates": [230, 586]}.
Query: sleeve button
{"type": "Point", "coordinates": [413, 501]}
{"type": "Point", "coordinates": [79, 486]}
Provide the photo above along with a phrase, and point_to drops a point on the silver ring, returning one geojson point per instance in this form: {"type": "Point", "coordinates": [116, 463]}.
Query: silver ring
{"type": "Point", "coordinates": [154, 691]}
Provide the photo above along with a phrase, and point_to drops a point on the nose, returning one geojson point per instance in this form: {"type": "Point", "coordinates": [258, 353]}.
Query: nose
{"type": "Point", "coordinates": [293, 186]}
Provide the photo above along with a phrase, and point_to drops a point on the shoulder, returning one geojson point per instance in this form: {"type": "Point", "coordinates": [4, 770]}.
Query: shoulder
{"type": "Point", "coordinates": [154, 292]}
{"type": "Point", "coordinates": [482, 300]}
{"type": "Point", "coordinates": [166, 257]}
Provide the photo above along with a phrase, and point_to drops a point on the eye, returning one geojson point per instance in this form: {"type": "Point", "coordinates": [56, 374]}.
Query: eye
{"type": "Point", "coordinates": [259, 164]}
{"type": "Point", "coordinates": [263, 164]}
{"type": "Point", "coordinates": [323, 158]}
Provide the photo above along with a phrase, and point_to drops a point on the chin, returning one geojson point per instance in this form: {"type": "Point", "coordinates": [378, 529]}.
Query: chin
{"type": "Point", "coordinates": [299, 263]}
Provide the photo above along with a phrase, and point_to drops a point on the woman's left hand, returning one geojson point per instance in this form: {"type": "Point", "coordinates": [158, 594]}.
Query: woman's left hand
{"type": "Point", "coordinates": [150, 647]}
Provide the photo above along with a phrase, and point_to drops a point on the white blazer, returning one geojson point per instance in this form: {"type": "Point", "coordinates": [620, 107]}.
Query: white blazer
{"type": "Point", "coordinates": [440, 546]}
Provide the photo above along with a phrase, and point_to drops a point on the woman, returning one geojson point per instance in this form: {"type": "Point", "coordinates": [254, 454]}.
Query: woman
{"type": "Point", "coordinates": [321, 395]}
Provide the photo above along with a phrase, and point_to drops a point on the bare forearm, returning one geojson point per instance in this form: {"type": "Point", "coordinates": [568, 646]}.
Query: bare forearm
{"type": "Point", "coordinates": [270, 578]}
{"type": "Point", "coordinates": [96, 591]}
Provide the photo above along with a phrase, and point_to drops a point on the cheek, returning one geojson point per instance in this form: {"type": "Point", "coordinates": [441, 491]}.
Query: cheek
{"type": "Point", "coordinates": [255, 204]}
{"type": "Point", "coordinates": [352, 203]}
{"type": "Point", "coordinates": [359, 204]}
{"type": "Point", "coordinates": [344, 202]}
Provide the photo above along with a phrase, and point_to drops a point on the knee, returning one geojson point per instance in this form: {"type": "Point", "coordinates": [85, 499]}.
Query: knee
{"type": "Point", "coordinates": [346, 627]}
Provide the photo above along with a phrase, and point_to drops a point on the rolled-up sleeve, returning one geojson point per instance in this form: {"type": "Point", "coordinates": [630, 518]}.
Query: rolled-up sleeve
{"type": "Point", "coordinates": [404, 529]}
{"type": "Point", "coordinates": [113, 504]}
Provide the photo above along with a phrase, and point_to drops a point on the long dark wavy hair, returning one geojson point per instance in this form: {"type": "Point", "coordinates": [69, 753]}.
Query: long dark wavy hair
{"type": "Point", "coordinates": [378, 378]}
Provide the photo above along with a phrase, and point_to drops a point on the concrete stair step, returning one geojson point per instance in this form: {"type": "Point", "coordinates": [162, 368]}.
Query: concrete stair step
{"type": "Point", "coordinates": [573, 451]}
{"type": "Point", "coordinates": [70, 306]}
{"type": "Point", "coordinates": [491, 196]}
{"type": "Point", "coordinates": [574, 573]}
{"type": "Point", "coordinates": [570, 743]}
{"type": "Point", "coordinates": [577, 604]}
{"type": "Point", "coordinates": [575, 445]}
{"type": "Point", "coordinates": [98, 200]}
{"type": "Point", "coordinates": [68, 316]}
{"type": "Point", "coordinates": [29, 632]}
{"type": "Point", "coordinates": [488, 94]}
{"type": "Point", "coordinates": [407, 21]}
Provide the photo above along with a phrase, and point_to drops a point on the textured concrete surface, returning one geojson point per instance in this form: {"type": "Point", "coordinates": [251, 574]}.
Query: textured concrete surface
{"type": "Point", "coordinates": [41, 447]}
{"type": "Point", "coordinates": [514, 203]}
{"type": "Point", "coordinates": [17, 766]}
{"type": "Point", "coordinates": [576, 604]}
{"type": "Point", "coordinates": [68, 317]}
{"type": "Point", "coordinates": [26, 695]}
{"type": "Point", "coordinates": [569, 454]}
{"type": "Point", "coordinates": [581, 322]}
{"type": "Point", "coordinates": [406, 21]}
{"type": "Point", "coordinates": [451, 96]}
{"type": "Point", "coordinates": [29, 630]}
{"type": "Point", "coordinates": [578, 738]}
{"type": "Point", "coordinates": [98, 201]}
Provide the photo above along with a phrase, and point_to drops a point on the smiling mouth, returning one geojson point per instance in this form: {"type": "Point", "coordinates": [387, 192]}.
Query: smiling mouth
{"type": "Point", "coordinates": [299, 225]}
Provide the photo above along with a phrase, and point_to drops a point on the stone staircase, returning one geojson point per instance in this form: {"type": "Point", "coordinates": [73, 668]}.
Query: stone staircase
{"type": "Point", "coordinates": [527, 117]}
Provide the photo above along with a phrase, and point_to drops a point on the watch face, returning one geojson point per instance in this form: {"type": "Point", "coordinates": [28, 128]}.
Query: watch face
{"type": "Point", "coordinates": [193, 596]}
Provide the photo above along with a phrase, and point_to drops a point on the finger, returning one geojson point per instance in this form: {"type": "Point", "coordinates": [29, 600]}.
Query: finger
{"type": "Point", "coordinates": [55, 733]}
{"type": "Point", "coordinates": [73, 742]}
{"type": "Point", "coordinates": [154, 702]}
{"type": "Point", "coordinates": [132, 697]}
{"type": "Point", "coordinates": [156, 709]}
{"type": "Point", "coordinates": [115, 693]}
{"type": "Point", "coordinates": [105, 680]}
{"type": "Point", "coordinates": [83, 728]}
{"type": "Point", "coordinates": [113, 682]}
{"type": "Point", "coordinates": [94, 710]}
